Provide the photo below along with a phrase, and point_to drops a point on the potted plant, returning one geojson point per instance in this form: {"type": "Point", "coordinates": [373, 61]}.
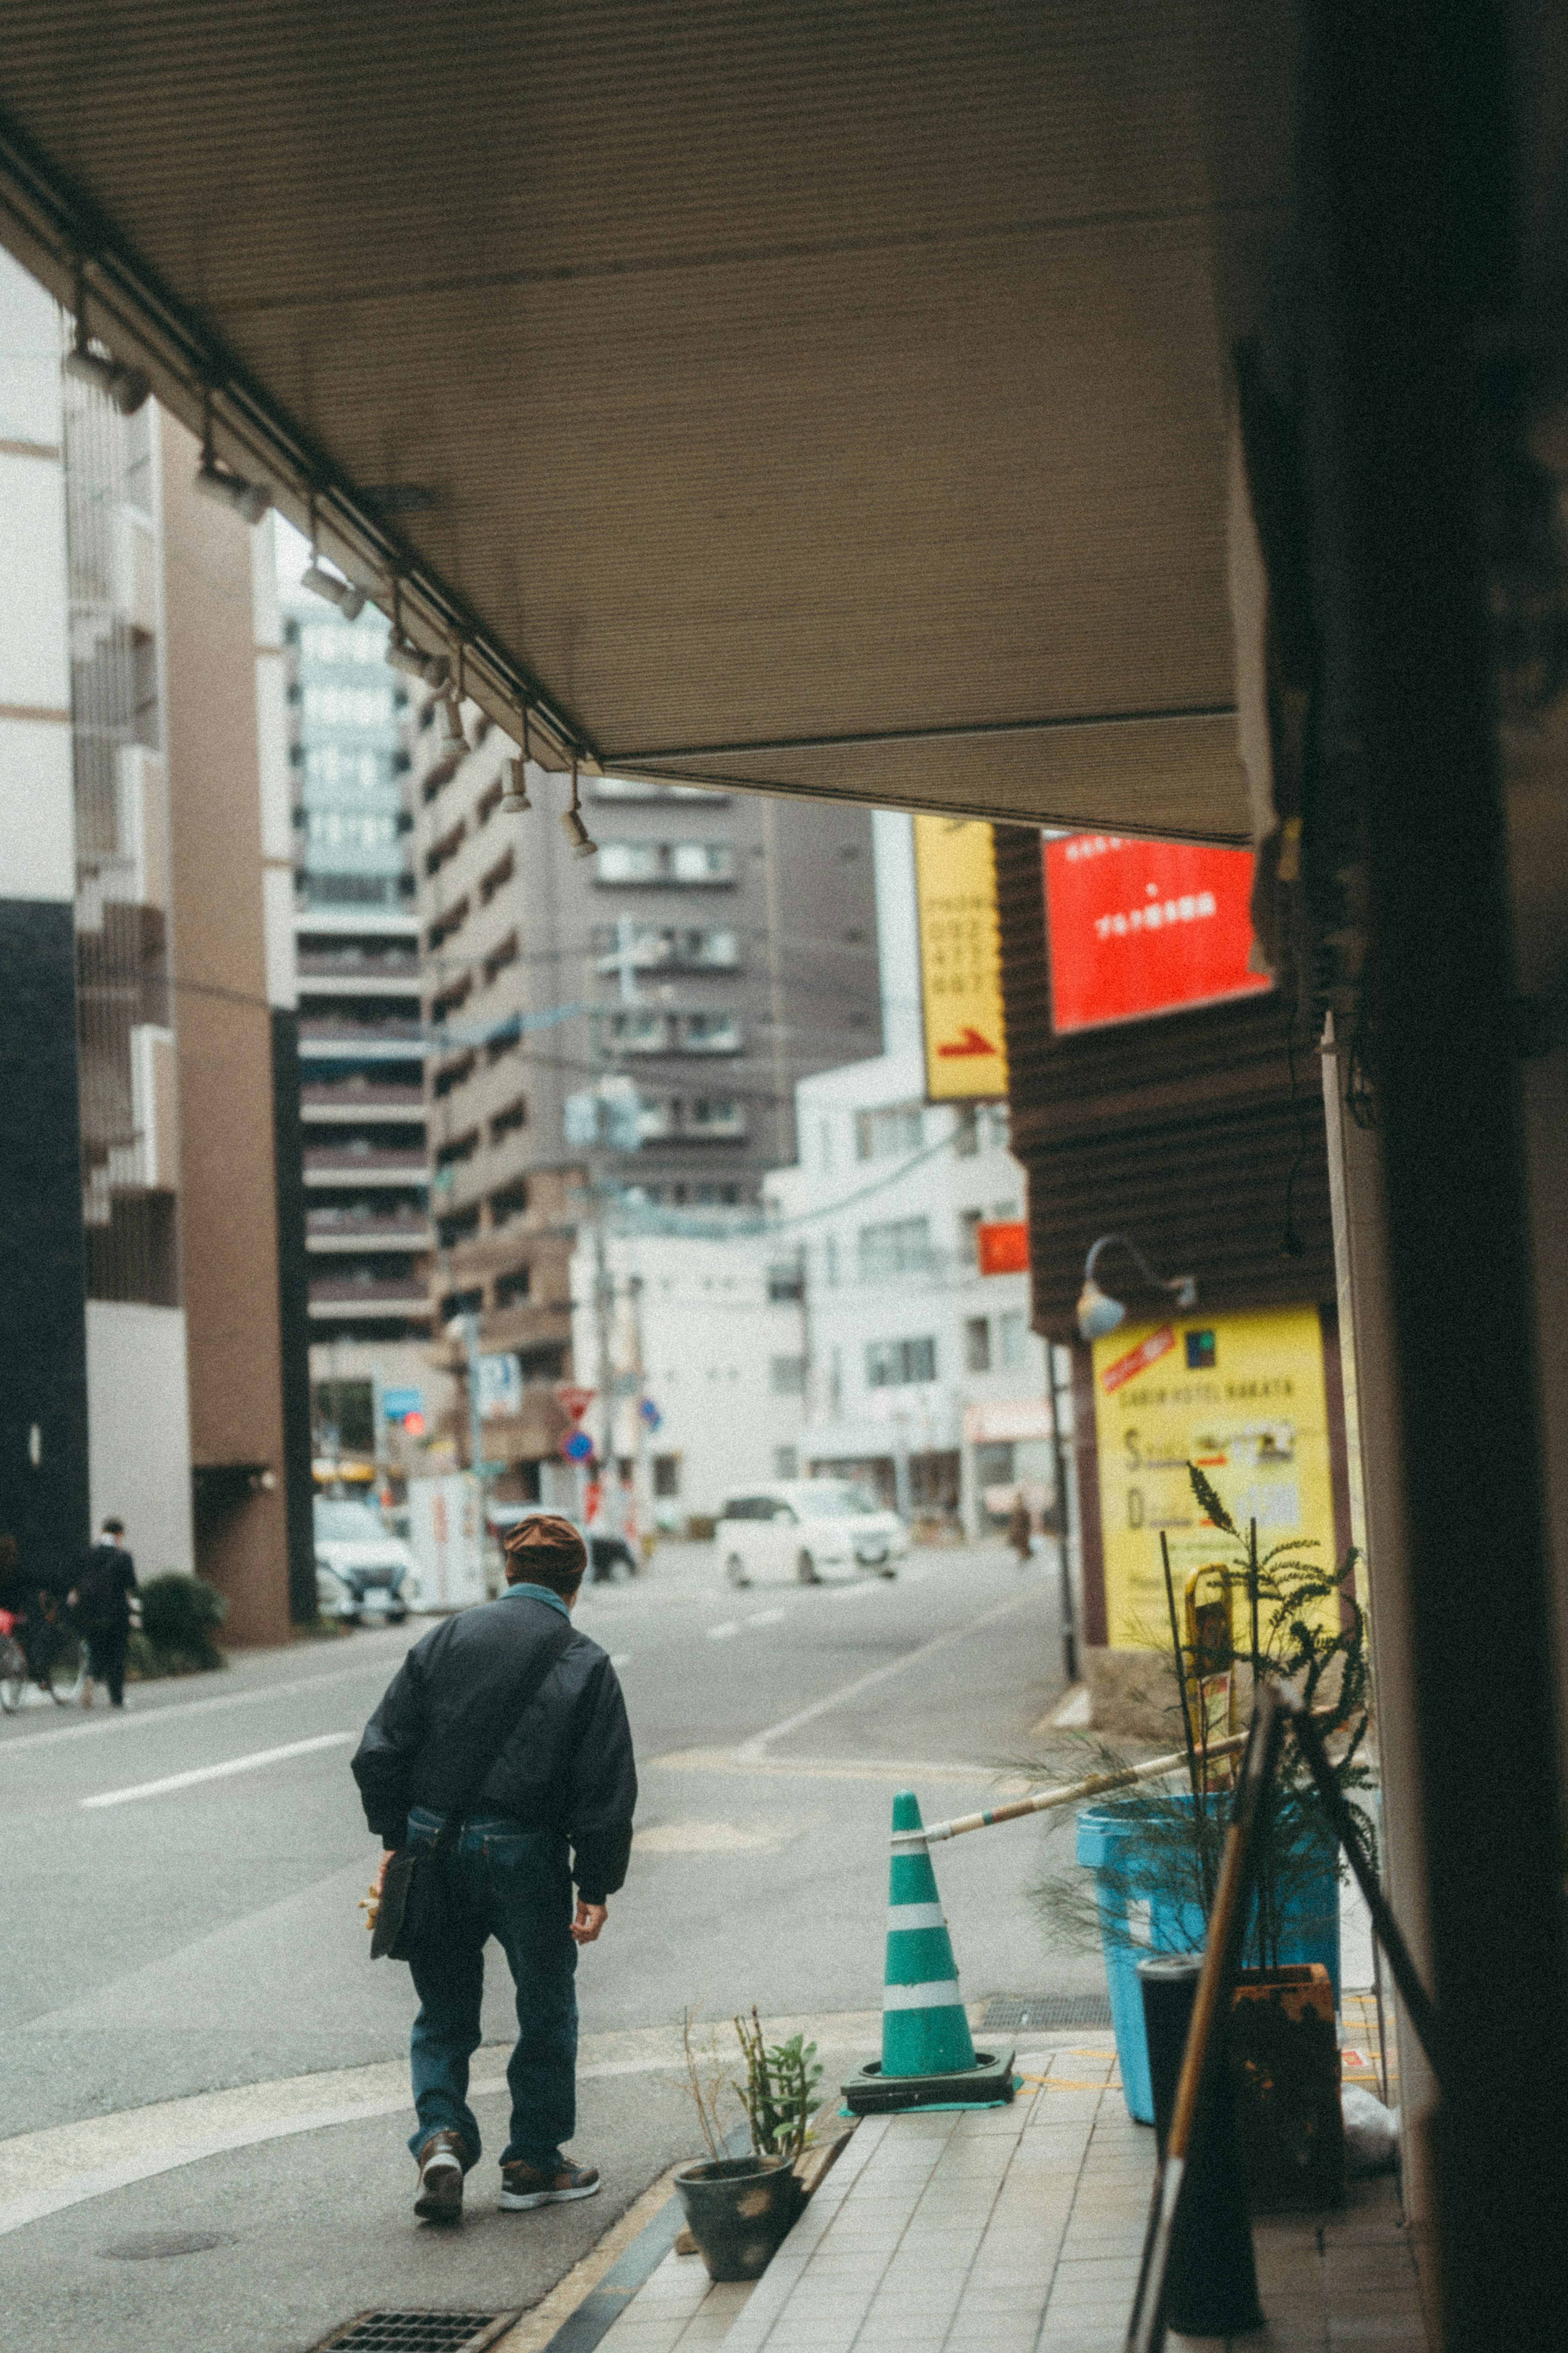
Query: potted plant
{"type": "Point", "coordinates": [739, 2209]}
{"type": "Point", "coordinates": [1155, 1854]}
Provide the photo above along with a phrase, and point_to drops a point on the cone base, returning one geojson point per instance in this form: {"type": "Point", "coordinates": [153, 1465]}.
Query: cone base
{"type": "Point", "coordinates": [988, 2084]}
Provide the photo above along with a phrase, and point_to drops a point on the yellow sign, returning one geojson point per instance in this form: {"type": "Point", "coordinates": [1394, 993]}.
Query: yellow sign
{"type": "Point", "coordinates": [961, 959]}
{"type": "Point", "coordinates": [1243, 1397]}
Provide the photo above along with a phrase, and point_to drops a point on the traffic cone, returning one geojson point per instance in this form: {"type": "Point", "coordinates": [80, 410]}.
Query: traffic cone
{"type": "Point", "coordinates": [929, 2059]}
{"type": "Point", "coordinates": [924, 2028]}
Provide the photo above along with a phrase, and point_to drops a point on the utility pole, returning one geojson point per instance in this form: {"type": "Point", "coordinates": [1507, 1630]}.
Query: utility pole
{"type": "Point", "coordinates": [1071, 1537]}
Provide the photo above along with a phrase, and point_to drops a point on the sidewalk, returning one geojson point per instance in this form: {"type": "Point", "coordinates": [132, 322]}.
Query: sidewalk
{"type": "Point", "coordinates": [1019, 2230]}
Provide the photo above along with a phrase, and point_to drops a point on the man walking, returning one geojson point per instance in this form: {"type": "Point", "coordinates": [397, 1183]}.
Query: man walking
{"type": "Point", "coordinates": [509, 1718]}
{"type": "Point", "coordinates": [100, 1602]}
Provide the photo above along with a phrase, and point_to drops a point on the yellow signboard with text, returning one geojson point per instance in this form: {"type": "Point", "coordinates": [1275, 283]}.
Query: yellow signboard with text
{"type": "Point", "coordinates": [1241, 1396]}
{"type": "Point", "coordinates": [961, 959]}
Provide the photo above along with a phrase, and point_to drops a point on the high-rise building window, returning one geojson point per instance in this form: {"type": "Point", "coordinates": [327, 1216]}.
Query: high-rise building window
{"type": "Point", "coordinates": [889, 1133]}
{"type": "Point", "coordinates": [898, 1363]}
{"type": "Point", "coordinates": [1015, 1339]}
{"type": "Point", "coordinates": [903, 1246]}
{"type": "Point", "coordinates": [977, 1343]}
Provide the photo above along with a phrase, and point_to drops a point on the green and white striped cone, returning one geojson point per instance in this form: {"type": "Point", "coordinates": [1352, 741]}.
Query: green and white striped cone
{"type": "Point", "coordinates": [925, 2030]}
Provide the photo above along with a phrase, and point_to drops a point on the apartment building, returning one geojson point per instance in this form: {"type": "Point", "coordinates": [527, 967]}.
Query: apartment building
{"type": "Point", "coordinates": [140, 1262]}
{"type": "Point", "coordinates": [368, 1234]}
{"type": "Point", "coordinates": [921, 1376]}
{"type": "Point", "coordinates": [628, 1022]}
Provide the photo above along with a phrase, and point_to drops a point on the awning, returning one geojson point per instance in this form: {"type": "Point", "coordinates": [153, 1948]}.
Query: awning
{"type": "Point", "coordinates": [827, 399]}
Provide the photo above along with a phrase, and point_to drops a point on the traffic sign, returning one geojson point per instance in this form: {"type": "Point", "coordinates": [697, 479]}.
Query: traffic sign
{"type": "Point", "coordinates": [650, 1413]}
{"type": "Point", "coordinates": [574, 1402]}
{"type": "Point", "coordinates": [577, 1446]}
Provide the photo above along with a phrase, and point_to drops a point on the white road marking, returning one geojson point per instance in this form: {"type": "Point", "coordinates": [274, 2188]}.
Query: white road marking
{"type": "Point", "coordinates": [176, 1711]}
{"type": "Point", "coordinates": [767, 1618]}
{"type": "Point", "coordinates": [218, 1772]}
{"type": "Point", "coordinates": [755, 1750]}
{"type": "Point", "coordinates": [722, 1633]}
{"type": "Point", "coordinates": [163, 2138]}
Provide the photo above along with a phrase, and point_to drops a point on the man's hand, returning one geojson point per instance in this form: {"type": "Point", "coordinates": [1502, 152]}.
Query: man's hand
{"type": "Point", "coordinates": [381, 1869]}
{"type": "Point", "coordinates": [590, 1919]}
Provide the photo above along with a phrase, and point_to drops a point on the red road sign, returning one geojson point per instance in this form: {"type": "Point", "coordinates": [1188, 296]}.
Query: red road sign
{"type": "Point", "coordinates": [574, 1402]}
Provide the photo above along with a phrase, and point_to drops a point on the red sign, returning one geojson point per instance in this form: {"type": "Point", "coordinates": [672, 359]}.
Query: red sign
{"type": "Point", "coordinates": [1141, 927]}
{"type": "Point", "coordinates": [574, 1402]}
{"type": "Point", "coordinates": [1138, 1360]}
{"type": "Point", "coordinates": [1003, 1248]}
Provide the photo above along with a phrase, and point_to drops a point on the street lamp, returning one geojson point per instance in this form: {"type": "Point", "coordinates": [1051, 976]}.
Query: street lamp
{"type": "Point", "coordinates": [1097, 1313]}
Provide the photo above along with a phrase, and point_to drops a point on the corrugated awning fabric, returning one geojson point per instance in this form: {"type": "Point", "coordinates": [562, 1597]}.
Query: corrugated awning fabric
{"type": "Point", "coordinates": [828, 399]}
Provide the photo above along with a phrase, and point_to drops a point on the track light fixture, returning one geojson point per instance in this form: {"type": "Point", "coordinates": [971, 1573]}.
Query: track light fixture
{"type": "Point", "coordinates": [572, 824]}
{"type": "Point", "coordinates": [347, 594]}
{"type": "Point", "coordinates": [454, 743]}
{"type": "Point", "coordinates": [250, 500]}
{"type": "Point", "coordinates": [128, 388]}
{"type": "Point", "coordinates": [514, 790]}
{"type": "Point", "coordinates": [404, 655]}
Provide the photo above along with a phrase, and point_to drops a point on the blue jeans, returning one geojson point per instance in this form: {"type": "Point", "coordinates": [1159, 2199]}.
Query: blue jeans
{"type": "Point", "coordinates": [514, 1884]}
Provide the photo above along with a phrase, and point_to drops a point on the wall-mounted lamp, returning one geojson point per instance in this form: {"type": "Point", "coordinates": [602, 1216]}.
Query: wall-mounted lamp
{"type": "Point", "coordinates": [1097, 1313]}
{"type": "Point", "coordinates": [573, 826]}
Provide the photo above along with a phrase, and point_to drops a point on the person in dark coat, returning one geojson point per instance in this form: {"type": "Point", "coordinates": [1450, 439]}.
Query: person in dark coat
{"type": "Point", "coordinates": [100, 1601]}
{"type": "Point", "coordinates": [554, 1805]}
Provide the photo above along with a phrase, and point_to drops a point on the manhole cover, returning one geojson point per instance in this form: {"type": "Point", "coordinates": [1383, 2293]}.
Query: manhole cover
{"type": "Point", "coordinates": [418, 2332]}
{"type": "Point", "coordinates": [1045, 2011]}
{"type": "Point", "coordinates": [152, 2245]}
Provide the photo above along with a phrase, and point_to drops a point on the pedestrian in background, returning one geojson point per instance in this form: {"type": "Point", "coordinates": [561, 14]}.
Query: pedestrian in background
{"type": "Point", "coordinates": [1020, 1528]}
{"type": "Point", "coordinates": [100, 1601]}
{"type": "Point", "coordinates": [508, 1720]}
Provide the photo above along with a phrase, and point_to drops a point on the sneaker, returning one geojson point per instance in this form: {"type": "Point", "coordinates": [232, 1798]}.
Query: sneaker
{"type": "Point", "coordinates": [440, 2198]}
{"type": "Point", "coordinates": [523, 2186]}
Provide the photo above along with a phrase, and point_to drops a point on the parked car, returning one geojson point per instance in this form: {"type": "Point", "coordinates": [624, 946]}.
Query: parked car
{"type": "Point", "coordinates": [809, 1529]}
{"type": "Point", "coordinates": [360, 1568]}
{"type": "Point", "coordinates": [609, 1556]}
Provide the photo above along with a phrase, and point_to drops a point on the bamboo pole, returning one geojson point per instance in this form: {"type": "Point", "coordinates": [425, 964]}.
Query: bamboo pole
{"type": "Point", "coordinates": [1092, 1787]}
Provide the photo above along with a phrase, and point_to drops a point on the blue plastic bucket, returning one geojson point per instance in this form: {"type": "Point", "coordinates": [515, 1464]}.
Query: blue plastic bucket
{"type": "Point", "coordinates": [1311, 1933]}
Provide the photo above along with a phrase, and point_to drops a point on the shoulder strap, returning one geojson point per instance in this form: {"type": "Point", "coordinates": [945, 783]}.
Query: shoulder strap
{"type": "Point", "coordinates": [529, 1685]}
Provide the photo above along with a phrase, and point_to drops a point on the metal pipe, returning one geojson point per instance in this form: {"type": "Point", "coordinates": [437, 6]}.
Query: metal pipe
{"type": "Point", "coordinates": [1043, 1801]}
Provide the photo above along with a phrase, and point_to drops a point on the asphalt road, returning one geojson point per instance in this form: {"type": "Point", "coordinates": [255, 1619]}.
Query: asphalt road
{"type": "Point", "coordinates": [175, 1933]}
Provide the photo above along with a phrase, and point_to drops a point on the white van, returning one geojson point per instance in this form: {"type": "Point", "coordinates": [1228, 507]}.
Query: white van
{"type": "Point", "coordinates": [808, 1529]}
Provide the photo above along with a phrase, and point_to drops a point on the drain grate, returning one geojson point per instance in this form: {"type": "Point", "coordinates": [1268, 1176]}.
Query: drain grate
{"type": "Point", "coordinates": [418, 2332]}
{"type": "Point", "coordinates": [1045, 2011]}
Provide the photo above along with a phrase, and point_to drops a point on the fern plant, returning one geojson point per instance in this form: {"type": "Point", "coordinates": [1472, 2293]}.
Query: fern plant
{"type": "Point", "coordinates": [1303, 1622]}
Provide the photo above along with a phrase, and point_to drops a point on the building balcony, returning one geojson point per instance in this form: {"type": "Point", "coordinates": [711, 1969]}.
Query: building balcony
{"type": "Point", "coordinates": [333, 975]}
{"type": "Point", "coordinates": [336, 1164]}
{"type": "Point", "coordinates": [698, 1122]}
{"type": "Point", "coordinates": [359, 1041]}
{"type": "Point", "coordinates": [398, 1219]}
{"type": "Point", "coordinates": [381, 1236]}
{"type": "Point", "coordinates": [346, 1297]}
{"type": "Point", "coordinates": [357, 1097]}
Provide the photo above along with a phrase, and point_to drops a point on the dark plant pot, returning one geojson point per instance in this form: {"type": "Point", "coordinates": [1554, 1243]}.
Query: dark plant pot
{"type": "Point", "coordinates": [1285, 2068]}
{"type": "Point", "coordinates": [738, 2210]}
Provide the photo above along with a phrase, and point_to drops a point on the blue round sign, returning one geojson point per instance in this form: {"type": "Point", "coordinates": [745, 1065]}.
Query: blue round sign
{"type": "Point", "coordinates": [577, 1446]}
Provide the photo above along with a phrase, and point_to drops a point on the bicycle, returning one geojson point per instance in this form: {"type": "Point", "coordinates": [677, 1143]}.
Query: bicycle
{"type": "Point", "coordinates": [55, 1661]}
{"type": "Point", "coordinates": [14, 1672]}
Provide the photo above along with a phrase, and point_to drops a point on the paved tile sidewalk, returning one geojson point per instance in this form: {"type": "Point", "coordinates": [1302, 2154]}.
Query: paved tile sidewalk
{"type": "Point", "coordinates": [1019, 2230]}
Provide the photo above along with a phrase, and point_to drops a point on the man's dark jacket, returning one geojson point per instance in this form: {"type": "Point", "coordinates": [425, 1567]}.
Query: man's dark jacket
{"type": "Point", "coordinates": [564, 1763]}
{"type": "Point", "coordinates": [103, 1590]}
